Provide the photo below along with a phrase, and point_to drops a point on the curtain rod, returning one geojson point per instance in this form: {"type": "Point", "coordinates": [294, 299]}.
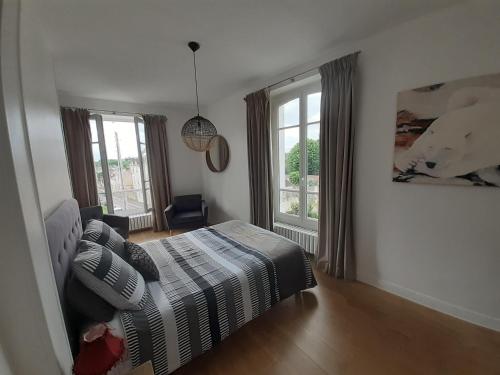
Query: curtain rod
{"type": "Point", "coordinates": [106, 111]}
{"type": "Point", "coordinates": [292, 78]}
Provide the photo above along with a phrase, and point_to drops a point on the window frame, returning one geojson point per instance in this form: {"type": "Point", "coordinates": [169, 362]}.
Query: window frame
{"type": "Point", "coordinates": [301, 92]}
{"type": "Point", "coordinates": [137, 119]}
{"type": "Point", "coordinates": [104, 161]}
{"type": "Point", "coordinates": [98, 117]}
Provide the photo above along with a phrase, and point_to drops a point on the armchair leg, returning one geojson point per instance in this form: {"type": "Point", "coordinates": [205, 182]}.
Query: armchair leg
{"type": "Point", "coordinates": [170, 230]}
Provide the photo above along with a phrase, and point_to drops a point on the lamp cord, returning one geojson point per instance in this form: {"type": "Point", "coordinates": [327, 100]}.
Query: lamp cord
{"type": "Point", "coordinates": [196, 82]}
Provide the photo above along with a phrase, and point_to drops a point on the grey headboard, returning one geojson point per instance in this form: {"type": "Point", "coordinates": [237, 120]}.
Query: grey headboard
{"type": "Point", "coordinates": [64, 229]}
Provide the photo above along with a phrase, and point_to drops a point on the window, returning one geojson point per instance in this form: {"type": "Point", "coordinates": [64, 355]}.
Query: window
{"type": "Point", "coordinates": [295, 130]}
{"type": "Point", "coordinates": [121, 164]}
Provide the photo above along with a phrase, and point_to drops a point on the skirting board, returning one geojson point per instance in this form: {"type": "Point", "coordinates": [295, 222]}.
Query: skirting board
{"type": "Point", "coordinates": [433, 303]}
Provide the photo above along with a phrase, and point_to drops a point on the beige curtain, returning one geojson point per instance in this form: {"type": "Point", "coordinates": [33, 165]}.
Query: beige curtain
{"type": "Point", "coordinates": [335, 249]}
{"type": "Point", "coordinates": [259, 159]}
{"type": "Point", "coordinates": [78, 139]}
{"type": "Point", "coordinates": [157, 146]}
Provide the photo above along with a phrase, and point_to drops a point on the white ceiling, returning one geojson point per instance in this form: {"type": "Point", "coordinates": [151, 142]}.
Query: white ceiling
{"type": "Point", "coordinates": [135, 50]}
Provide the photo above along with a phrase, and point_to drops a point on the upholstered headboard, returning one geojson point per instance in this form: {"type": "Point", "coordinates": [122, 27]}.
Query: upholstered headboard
{"type": "Point", "coordinates": [64, 230]}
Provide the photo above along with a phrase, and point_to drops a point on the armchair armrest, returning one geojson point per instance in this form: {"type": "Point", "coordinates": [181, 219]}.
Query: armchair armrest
{"type": "Point", "coordinates": [169, 215]}
{"type": "Point", "coordinates": [90, 213]}
{"type": "Point", "coordinates": [204, 210]}
{"type": "Point", "coordinates": [120, 222]}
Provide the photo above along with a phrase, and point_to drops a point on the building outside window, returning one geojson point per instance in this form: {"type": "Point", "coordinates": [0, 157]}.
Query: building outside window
{"type": "Point", "coordinates": [121, 164]}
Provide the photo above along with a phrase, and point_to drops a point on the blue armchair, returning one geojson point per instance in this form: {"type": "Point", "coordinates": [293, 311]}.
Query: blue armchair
{"type": "Point", "coordinates": [186, 211]}
{"type": "Point", "coordinates": [120, 224]}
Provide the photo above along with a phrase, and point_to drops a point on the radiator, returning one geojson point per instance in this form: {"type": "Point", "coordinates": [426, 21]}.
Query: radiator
{"type": "Point", "coordinates": [141, 221]}
{"type": "Point", "coordinates": [306, 238]}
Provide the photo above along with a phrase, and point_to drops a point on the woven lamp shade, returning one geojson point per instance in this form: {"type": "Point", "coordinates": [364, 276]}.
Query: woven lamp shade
{"type": "Point", "coordinates": [197, 133]}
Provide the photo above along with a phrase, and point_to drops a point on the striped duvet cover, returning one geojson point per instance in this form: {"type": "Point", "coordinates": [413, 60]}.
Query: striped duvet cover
{"type": "Point", "coordinates": [211, 283]}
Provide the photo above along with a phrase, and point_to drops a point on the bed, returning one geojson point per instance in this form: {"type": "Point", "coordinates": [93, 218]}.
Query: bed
{"type": "Point", "coordinates": [212, 281]}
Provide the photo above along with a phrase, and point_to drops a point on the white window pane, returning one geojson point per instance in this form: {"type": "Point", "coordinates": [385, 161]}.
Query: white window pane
{"type": "Point", "coordinates": [119, 205]}
{"type": "Point", "coordinates": [102, 202]}
{"type": "Point", "coordinates": [124, 165]}
{"type": "Point", "coordinates": [148, 199]}
{"type": "Point", "coordinates": [142, 136]}
{"type": "Point", "coordinates": [289, 158]}
{"type": "Point", "coordinates": [135, 202]}
{"type": "Point", "coordinates": [127, 203]}
{"type": "Point", "coordinates": [289, 202]}
{"type": "Point", "coordinates": [96, 155]}
{"type": "Point", "coordinates": [98, 167]}
{"type": "Point", "coordinates": [145, 162]}
{"type": "Point", "coordinates": [93, 129]}
{"type": "Point", "coordinates": [312, 206]}
{"type": "Point", "coordinates": [123, 158]}
{"type": "Point", "coordinates": [120, 139]}
{"type": "Point", "coordinates": [289, 113]}
{"type": "Point", "coordinates": [313, 107]}
{"type": "Point", "coordinates": [313, 157]}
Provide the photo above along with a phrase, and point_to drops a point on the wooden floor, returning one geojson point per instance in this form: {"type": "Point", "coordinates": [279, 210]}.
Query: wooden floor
{"type": "Point", "coordinates": [149, 235]}
{"type": "Point", "coordinates": [351, 328]}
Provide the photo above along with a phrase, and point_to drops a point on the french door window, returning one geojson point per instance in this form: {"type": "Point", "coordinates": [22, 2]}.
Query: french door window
{"type": "Point", "coordinates": [295, 130]}
{"type": "Point", "coordinates": [121, 164]}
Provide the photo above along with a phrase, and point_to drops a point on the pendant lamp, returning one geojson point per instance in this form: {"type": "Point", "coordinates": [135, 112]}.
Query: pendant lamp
{"type": "Point", "coordinates": [197, 131]}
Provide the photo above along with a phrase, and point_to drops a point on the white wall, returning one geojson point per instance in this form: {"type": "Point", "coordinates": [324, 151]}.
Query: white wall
{"type": "Point", "coordinates": [227, 192]}
{"type": "Point", "coordinates": [42, 116]}
{"type": "Point", "coordinates": [436, 245]}
{"type": "Point", "coordinates": [31, 325]}
{"type": "Point", "coordinates": [35, 180]}
{"type": "Point", "coordinates": [185, 173]}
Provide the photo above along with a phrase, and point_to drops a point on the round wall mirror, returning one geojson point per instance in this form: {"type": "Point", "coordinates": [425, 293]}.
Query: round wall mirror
{"type": "Point", "coordinates": [217, 155]}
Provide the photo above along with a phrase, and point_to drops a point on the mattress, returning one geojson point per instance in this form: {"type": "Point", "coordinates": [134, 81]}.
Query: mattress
{"type": "Point", "coordinates": [212, 281]}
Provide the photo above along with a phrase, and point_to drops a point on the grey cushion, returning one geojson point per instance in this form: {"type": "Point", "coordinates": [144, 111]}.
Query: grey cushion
{"type": "Point", "coordinates": [188, 217]}
{"type": "Point", "coordinates": [102, 234]}
{"type": "Point", "coordinates": [141, 261]}
{"type": "Point", "coordinates": [87, 303]}
{"type": "Point", "coordinates": [109, 276]}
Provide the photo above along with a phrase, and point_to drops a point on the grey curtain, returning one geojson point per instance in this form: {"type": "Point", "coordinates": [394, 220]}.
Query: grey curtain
{"type": "Point", "coordinates": [259, 159]}
{"type": "Point", "coordinates": [157, 146]}
{"type": "Point", "coordinates": [335, 249]}
{"type": "Point", "coordinates": [78, 139]}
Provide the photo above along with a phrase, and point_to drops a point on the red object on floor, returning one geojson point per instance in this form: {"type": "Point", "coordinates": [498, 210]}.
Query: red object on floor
{"type": "Point", "coordinates": [99, 352]}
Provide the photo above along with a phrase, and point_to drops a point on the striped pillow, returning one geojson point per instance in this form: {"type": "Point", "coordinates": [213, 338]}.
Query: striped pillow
{"type": "Point", "coordinates": [101, 233]}
{"type": "Point", "coordinates": [109, 276]}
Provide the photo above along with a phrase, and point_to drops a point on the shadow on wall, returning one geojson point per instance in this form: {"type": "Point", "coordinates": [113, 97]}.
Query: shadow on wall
{"type": "Point", "coordinates": [216, 213]}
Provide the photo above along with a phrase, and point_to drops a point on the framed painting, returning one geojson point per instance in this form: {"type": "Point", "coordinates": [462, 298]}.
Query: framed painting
{"type": "Point", "coordinates": [449, 133]}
